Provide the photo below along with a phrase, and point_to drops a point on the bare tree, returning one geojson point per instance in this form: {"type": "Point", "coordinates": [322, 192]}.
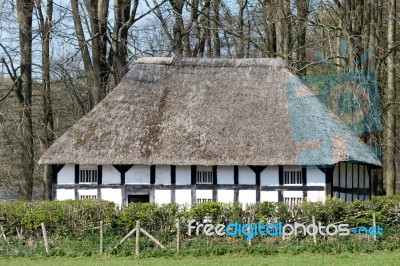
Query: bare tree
{"type": "Point", "coordinates": [124, 18]}
{"type": "Point", "coordinates": [45, 26]}
{"type": "Point", "coordinates": [95, 62]}
{"type": "Point", "coordinates": [24, 94]}
{"type": "Point", "coordinates": [390, 103]}
{"type": "Point", "coordinates": [302, 14]}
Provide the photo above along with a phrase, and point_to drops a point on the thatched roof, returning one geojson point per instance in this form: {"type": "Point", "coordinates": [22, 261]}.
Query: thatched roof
{"type": "Point", "coordinates": [209, 112]}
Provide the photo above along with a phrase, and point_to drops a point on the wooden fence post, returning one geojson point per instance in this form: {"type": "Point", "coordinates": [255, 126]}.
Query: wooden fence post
{"type": "Point", "coordinates": [374, 224]}
{"type": "Point", "coordinates": [152, 238]}
{"type": "Point", "coordinates": [125, 238]}
{"type": "Point", "coordinates": [3, 234]}
{"type": "Point", "coordinates": [137, 237]}
{"type": "Point", "coordinates": [18, 234]}
{"type": "Point", "coordinates": [178, 235]}
{"type": "Point", "coordinates": [101, 237]}
{"type": "Point", "coordinates": [315, 235]}
{"type": "Point", "coordinates": [46, 244]}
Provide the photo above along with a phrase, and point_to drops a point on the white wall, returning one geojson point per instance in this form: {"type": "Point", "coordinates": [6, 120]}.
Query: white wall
{"type": "Point", "coordinates": [138, 174]}
{"type": "Point", "coordinates": [66, 175]}
{"type": "Point", "coordinates": [342, 195]}
{"type": "Point", "coordinates": [246, 176]}
{"type": "Point", "coordinates": [65, 194]}
{"type": "Point", "coordinates": [293, 194]}
{"type": "Point", "coordinates": [204, 194]}
{"type": "Point", "coordinates": [183, 175]}
{"type": "Point", "coordinates": [270, 176]}
{"type": "Point", "coordinates": [225, 195]}
{"type": "Point", "coordinates": [314, 196]}
{"type": "Point", "coordinates": [87, 192]}
{"type": "Point", "coordinates": [183, 196]}
{"type": "Point", "coordinates": [163, 174]}
{"type": "Point", "coordinates": [225, 174]}
{"type": "Point", "coordinates": [247, 196]}
{"type": "Point", "coordinates": [315, 177]}
{"type": "Point", "coordinates": [349, 175]}
{"type": "Point", "coordinates": [366, 178]}
{"type": "Point", "coordinates": [111, 175]}
{"type": "Point", "coordinates": [271, 196]}
{"type": "Point", "coordinates": [162, 196]}
{"type": "Point", "coordinates": [355, 173]}
{"type": "Point", "coordinates": [113, 195]}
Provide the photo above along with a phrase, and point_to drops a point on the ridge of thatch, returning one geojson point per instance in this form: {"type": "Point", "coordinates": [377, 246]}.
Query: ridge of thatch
{"type": "Point", "coordinates": [209, 112]}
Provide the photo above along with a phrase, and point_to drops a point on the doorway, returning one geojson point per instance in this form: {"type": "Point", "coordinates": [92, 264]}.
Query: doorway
{"type": "Point", "coordinates": [138, 198]}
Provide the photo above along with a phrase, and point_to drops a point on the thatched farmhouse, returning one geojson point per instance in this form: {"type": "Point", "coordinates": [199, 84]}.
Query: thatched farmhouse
{"type": "Point", "coordinates": [195, 130]}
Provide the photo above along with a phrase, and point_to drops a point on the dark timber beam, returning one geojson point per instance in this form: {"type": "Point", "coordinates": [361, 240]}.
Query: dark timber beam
{"type": "Point", "coordinates": [202, 186]}
{"type": "Point", "coordinates": [193, 183]}
{"type": "Point", "coordinates": [304, 180]}
{"type": "Point", "coordinates": [236, 182]}
{"type": "Point", "coordinates": [257, 169]}
{"type": "Point", "coordinates": [280, 175]}
{"type": "Point", "coordinates": [122, 169]}
{"type": "Point", "coordinates": [215, 182]}
{"type": "Point", "coordinates": [99, 180]}
{"type": "Point", "coordinates": [329, 181]}
{"type": "Point", "coordinates": [55, 169]}
{"type": "Point", "coordinates": [76, 181]}
{"type": "Point", "coordinates": [152, 174]}
{"type": "Point", "coordinates": [173, 182]}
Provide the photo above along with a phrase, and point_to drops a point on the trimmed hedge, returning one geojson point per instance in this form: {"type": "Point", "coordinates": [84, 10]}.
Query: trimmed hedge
{"type": "Point", "coordinates": [74, 217]}
{"type": "Point", "coordinates": [65, 217]}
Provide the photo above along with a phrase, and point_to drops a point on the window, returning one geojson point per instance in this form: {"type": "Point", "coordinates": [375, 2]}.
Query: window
{"type": "Point", "coordinates": [88, 174]}
{"type": "Point", "coordinates": [292, 178]}
{"type": "Point", "coordinates": [203, 200]}
{"type": "Point", "coordinates": [204, 175]}
{"type": "Point", "coordinates": [83, 197]}
{"type": "Point", "coordinates": [292, 201]}
{"type": "Point", "coordinates": [138, 198]}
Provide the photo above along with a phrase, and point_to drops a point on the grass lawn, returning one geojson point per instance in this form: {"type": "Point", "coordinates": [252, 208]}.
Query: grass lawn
{"type": "Point", "coordinates": [376, 258]}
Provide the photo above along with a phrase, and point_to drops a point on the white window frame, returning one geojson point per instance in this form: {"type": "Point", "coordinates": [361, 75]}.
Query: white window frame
{"type": "Point", "coordinates": [202, 200]}
{"type": "Point", "coordinates": [83, 197]}
{"type": "Point", "coordinates": [88, 174]}
{"type": "Point", "coordinates": [204, 175]}
{"type": "Point", "coordinates": [292, 176]}
{"type": "Point", "coordinates": [292, 201]}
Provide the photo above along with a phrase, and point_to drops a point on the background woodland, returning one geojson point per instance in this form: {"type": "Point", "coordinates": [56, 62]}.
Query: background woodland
{"type": "Point", "coordinates": [60, 58]}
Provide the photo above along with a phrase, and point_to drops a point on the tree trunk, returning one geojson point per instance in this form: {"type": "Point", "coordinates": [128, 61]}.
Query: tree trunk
{"type": "Point", "coordinates": [390, 103]}
{"type": "Point", "coordinates": [270, 24]}
{"type": "Point", "coordinates": [207, 31]}
{"type": "Point", "coordinates": [48, 123]}
{"type": "Point", "coordinates": [282, 30]}
{"type": "Point", "coordinates": [302, 14]}
{"type": "Point", "coordinates": [84, 49]}
{"type": "Point", "coordinates": [25, 11]}
{"type": "Point", "coordinates": [178, 28]}
{"type": "Point", "coordinates": [217, 22]}
{"type": "Point", "coordinates": [241, 41]}
{"type": "Point", "coordinates": [123, 20]}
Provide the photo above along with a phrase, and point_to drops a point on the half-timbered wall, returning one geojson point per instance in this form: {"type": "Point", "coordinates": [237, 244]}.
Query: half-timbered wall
{"type": "Point", "coordinates": [351, 181]}
{"type": "Point", "coordinates": [190, 184]}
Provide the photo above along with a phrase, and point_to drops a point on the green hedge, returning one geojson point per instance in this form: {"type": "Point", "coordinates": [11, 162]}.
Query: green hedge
{"type": "Point", "coordinates": [73, 217]}
{"type": "Point", "coordinates": [65, 217]}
